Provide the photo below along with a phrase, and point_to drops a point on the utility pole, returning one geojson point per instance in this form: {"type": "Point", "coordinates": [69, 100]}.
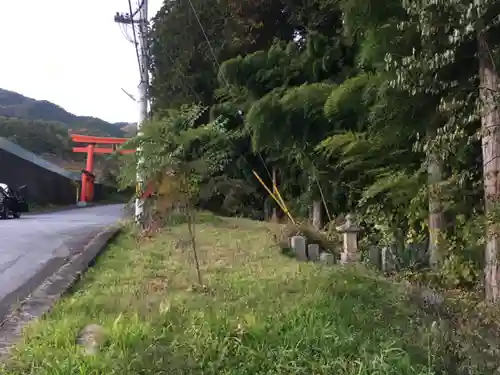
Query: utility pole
{"type": "Point", "coordinates": [143, 100]}
{"type": "Point", "coordinates": [138, 19]}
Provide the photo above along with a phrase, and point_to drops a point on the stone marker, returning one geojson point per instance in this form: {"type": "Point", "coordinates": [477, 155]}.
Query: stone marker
{"type": "Point", "coordinates": [313, 251]}
{"type": "Point", "coordinates": [91, 338]}
{"type": "Point", "coordinates": [350, 232]}
{"type": "Point", "coordinates": [374, 256]}
{"type": "Point", "coordinates": [299, 247]}
{"type": "Point", "coordinates": [327, 258]}
{"type": "Point", "coordinates": [317, 220]}
{"type": "Point", "coordinates": [387, 260]}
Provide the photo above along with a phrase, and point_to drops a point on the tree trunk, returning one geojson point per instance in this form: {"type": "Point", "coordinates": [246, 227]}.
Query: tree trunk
{"type": "Point", "coordinates": [191, 228]}
{"type": "Point", "coordinates": [436, 213]}
{"type": "Point", "coordinates": [274, 217]}
{"type": "Point", "coordinates": [317, 219]}
{"type": "Point", "coordinates": [267, 209]}
{"type": "Point", "coordinates": [490, 132]}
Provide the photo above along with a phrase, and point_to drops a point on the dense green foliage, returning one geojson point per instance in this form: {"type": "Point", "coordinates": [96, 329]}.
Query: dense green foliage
{"type": "Point", "coordinates": [374, 107]}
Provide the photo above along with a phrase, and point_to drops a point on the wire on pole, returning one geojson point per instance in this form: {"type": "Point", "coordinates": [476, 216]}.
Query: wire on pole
{"type": "Point", "coordinates": [127, 19]}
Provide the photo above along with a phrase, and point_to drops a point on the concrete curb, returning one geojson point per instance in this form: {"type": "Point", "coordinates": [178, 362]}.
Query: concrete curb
{"type": "Point", "coordinates": [50, 290]}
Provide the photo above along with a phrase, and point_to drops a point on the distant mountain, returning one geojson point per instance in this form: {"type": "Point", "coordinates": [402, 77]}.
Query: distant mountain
{"type": "Point", "coordinates": [14, 105]}
{"type": "Point", "coordinates": [130, 129]}
{"type": "Point", "coordinates": [39, 137]}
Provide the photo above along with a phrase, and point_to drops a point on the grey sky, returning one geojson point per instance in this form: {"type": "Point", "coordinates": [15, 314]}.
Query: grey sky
{"type": "Point", "coordinates": [70, 52]}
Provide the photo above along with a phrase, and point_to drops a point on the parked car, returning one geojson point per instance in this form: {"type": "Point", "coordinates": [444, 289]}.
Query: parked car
{"type": "Point", "coordinates": [12, 201]}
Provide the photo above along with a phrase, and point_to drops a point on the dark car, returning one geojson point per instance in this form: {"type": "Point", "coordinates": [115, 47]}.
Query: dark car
{"type": "Point", "coordinates": [12, 201]}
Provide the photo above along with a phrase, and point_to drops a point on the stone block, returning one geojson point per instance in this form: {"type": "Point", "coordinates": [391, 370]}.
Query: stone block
{"type": "Point", "coordinates": [299, 247]}
{"type": "Point", "coordinates": [313, 251]}
{"type": "Point", "coordinates": [374, 257]}
{"type": "Point", "coordinates": [387, 260]}
{"type": "Point", "coordinates": [347, 257]}
{"type": "Point", "coordinates": [327, 258]}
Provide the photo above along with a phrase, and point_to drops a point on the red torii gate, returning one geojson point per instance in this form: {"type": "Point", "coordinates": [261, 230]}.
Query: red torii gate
{"type": "Point", "coordinates": [87, 191]}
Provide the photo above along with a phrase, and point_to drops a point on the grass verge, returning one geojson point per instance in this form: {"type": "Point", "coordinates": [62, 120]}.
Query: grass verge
{"type": "Point", "coordinates": [263, 313]}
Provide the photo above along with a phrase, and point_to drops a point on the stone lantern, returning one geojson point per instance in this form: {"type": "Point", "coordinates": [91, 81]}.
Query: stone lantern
{"type": "Point", "coordinates": [349, 231]}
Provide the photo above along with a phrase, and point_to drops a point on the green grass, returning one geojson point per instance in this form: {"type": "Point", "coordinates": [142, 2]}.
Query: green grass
{"type": "Point", "coordinates": [263, 313]}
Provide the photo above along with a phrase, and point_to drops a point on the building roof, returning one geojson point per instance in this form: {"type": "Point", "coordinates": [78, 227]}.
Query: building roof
{"type": "Point", "coordinates": [20, 152]}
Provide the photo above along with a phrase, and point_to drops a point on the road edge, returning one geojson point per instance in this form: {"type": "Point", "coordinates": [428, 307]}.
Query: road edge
{"type": "Point", "coordinates": [69, 207]}
{"type": "Point", "coordinates": [50, 290]}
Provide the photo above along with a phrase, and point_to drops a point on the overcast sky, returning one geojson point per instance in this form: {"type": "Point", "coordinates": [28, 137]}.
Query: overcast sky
{"type": "Point", "coordinates": [72, 53]}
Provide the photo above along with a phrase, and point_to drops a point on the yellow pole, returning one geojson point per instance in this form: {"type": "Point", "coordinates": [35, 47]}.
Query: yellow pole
{"type": "Point", "coordinates": [279, 195]}
{"type": "Point", "coordinates": [279, 201]}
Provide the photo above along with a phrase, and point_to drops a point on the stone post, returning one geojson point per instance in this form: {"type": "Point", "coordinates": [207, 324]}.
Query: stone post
{"type": "Point", "coordinates": [313, 251]}
{"type": "Point", "coordinates": [299, 247]}
{"type": "Point", "coordinates": [349, 232]}
{"type": "Point", "coordinates": [327, 258]}
{"type": "Point", "coordinates": [387, 260]}
{"type": "Point", "coordinates": [317, 220]}
{"type": "Point", "coordinates": [375, 257]}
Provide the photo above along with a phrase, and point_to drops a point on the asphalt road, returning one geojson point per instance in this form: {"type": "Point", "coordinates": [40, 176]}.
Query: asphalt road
{"type": "Point", "coordinates": [29, 244]}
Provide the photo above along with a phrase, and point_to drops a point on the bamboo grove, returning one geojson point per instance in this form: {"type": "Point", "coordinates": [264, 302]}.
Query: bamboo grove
{"type": "Point", "coordinates": [382, 108]}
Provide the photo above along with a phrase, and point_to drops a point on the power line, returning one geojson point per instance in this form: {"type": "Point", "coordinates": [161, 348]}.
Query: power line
{"type": "Point", "coordinates": [140, 46]}
{"type": "Point", "coordinates": [226, 83]}
{"type": "Point", "coordinates": [128, 19]}
{"type": "Point", "coordinates": [214, 56]}
{"type": "Point", "coordinates": [134, 34]}
{"type": "Point", "coordinates": [125, 34]}
{"type": "Point", "coordinates": [139, 7]}
{"type": "Point", "coordinates": [125, 19]}
{"type": "Point", "coordinates": [208, 41]}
